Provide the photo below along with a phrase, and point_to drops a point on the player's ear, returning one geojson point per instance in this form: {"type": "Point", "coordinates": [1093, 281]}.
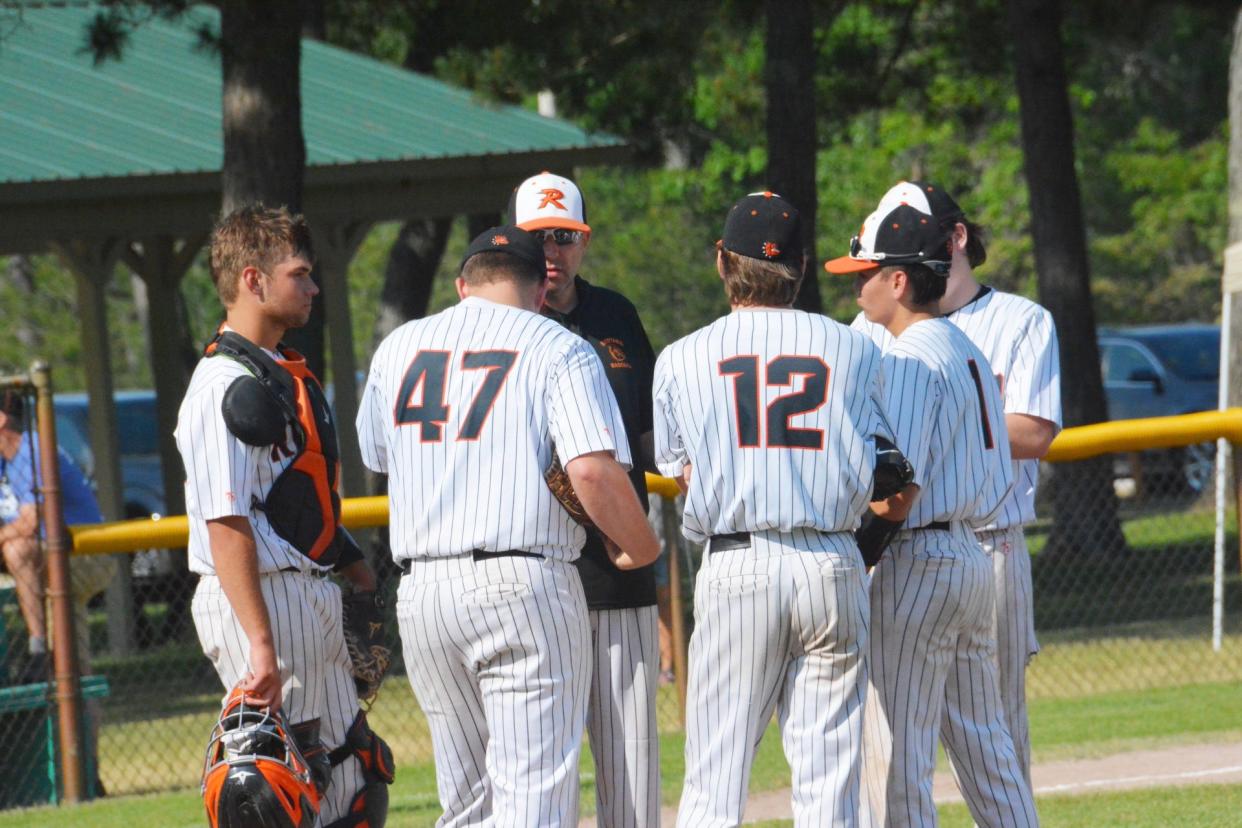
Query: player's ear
{"type": "Point", "coordinates": [463, 289]}
{"type": "Point", "coordinates": [899, 281]}
{"type": "Point", "coordinates": [960, 236]}
{"type": "Point", "coordinates": [719, 262]}
{"type": "Point", "coordinates": [251, 281]}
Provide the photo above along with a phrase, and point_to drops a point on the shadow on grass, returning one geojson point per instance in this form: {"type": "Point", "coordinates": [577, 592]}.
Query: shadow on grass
{"type": "Point", "coordinates": [168, 681]}
{"type": "Point", "coordinates": [1153, 583]}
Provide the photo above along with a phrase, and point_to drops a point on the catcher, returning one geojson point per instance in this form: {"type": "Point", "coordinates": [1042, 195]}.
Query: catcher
{"type": "Point", "coordinates": [259, 446]}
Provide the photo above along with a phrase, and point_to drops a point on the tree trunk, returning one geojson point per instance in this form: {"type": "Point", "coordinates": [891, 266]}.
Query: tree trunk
{"type": "Point", "coordinates": [789, 80]}
{"type": "Point", "coordinates": [1085, 504]}
{"type": "Point", "coordinates": [20, 272]}
{"type": "Point", "coordinates": [412, 264]}
{"type": "Point", "coordinates": [264, 151]}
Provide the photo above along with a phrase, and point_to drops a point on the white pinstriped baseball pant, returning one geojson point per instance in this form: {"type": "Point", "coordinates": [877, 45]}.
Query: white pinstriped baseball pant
{"type": "Point", "coordinates": [317, 674]}
{"type": "Point", "coordinates": [932, 655]}
{"type": "Point", "coordinates": [621, 717]}
{"type": "Point", "coordinates": [496, 652]}
{"type": "Point", "coordinates": [1014, 628]}
{"type": "Point", "coordinates": [785, 628]}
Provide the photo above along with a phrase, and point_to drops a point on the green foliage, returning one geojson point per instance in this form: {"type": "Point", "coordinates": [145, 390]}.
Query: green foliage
{"type": "Point", "coordinates": [654, 250]}
{"type": "Point", "coordinates": [905, 89]}
{"type": "Point", "coordinates": [50, 315]}
{"type": "Point", "coordinates": [1164, 262]}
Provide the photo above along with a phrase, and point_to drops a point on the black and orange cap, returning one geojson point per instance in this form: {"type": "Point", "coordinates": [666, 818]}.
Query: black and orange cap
{"type": "Point", "coordinates": [507, 239]}
{"type": "Point", "coordinates": [764, 226]}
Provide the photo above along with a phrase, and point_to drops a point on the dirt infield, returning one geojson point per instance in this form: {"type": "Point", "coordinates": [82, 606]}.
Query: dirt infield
{"type": "Point", "coordinates": [1181, 765]}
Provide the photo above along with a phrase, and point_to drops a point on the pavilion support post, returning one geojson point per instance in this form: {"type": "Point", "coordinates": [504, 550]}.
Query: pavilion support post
{"type": "Point", "coordinates": [335, 246]}
{"type": "Point", "coordinates": [92, 266]}
{"type": "Point", "coordinates": [161, 262]}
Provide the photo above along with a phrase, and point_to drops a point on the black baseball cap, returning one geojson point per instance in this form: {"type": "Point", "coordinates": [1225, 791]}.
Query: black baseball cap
{"type": "Point", "coordinates": [508, 239]}
{"type": "Point", "coordinates": [903, 229]}
{"type": "Point", "coordinates": [764, 226]}
{"type": "Point", "coordinates": [939, 203]}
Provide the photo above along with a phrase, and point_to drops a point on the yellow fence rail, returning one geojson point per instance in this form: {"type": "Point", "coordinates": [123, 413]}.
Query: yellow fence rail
{"type": "Point", "coordinates": [363, 512]}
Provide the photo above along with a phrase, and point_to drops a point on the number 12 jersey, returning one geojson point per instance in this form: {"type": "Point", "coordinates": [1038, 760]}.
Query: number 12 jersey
{"type": "Point", "coordinates": [776, 411]}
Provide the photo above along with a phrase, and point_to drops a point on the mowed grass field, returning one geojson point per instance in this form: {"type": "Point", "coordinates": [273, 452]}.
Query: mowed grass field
{"type": "Point", "coordinates": [1061, 729]}
{"type": "Point", "coordinates": [1208, 806]}
{"type": "Point", "coordinates": [1098, 687]}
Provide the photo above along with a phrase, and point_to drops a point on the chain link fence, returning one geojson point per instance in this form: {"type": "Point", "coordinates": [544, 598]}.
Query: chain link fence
{"type": "Point", "coordinates": [1130, 607]}
{"type": "Point", "coordinates": [1124, 589]}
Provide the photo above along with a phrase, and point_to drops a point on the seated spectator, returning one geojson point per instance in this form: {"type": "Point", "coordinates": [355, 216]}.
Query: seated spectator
{"type": "Point", "coordinates": [20, 526]}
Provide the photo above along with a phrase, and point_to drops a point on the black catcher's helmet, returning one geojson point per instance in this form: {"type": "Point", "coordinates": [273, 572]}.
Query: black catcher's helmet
{"type": "Point", "coordinates": [254, 775]}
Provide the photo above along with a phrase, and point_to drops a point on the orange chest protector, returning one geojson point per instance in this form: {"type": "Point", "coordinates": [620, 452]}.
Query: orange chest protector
{"type": "Point", "coordinates": [282, 397]}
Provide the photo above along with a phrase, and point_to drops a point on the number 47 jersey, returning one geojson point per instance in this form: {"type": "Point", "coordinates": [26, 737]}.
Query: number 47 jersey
{"type": "Point", "coordinates": [776, 411]}
{"type": "Point", "coordinates": [461, 411]}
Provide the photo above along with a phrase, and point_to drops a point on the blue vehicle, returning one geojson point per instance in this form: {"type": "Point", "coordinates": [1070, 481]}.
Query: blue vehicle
{"type": "Point", "coordinates": [159, 575]}
{"type": "Point", "coordinates": [137, 437]}
{"type": "Point", "coordinates": [1163, 370]}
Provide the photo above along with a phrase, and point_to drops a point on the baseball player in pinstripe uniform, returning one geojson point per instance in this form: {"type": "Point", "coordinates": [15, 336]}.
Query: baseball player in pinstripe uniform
{"type": "Point", "coordinates": [621, 711]}
{"type": "Point", "coordinates": [932, 594]}
{"type": "Point", "coordinates": [1020, 341]}
{"type": "Point", "coordinates": [266, 615]}
{"type": "Point", "coordinates": [462, 411]}
{"type": "Point", "coordinates": [768, 417]}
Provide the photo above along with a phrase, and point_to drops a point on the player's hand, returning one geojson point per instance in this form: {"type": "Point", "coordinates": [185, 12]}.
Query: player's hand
{"type": "Point", "coordinates": [615, 553]}
{"type": "Point", "coordinates": [262, 685]}
{"type": "Point", "coordinates": [644, 556]}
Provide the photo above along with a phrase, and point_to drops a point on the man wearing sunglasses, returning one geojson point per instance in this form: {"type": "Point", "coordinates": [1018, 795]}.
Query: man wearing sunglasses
{"type": "Point", "coordinates": [621, 716]}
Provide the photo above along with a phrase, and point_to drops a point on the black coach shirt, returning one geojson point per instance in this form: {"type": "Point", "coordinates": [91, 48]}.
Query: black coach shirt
{"type": "Point", "coordinates": [609, 322]}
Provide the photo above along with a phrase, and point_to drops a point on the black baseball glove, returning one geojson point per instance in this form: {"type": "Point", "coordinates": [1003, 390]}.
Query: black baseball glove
{"type": "Point", "coordinates": [363, 620]}
{"type": "Point", "coordinates": [873, 537]}
{"type": "Point", "coordinates": [893, 471]}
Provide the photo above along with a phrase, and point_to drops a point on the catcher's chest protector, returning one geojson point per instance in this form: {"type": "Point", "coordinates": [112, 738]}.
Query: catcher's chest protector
{"type": "Point", "coordinates": [303, 505]}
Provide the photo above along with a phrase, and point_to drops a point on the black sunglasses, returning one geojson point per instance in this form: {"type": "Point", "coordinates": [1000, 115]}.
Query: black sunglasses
{"type": "Point", "coordinates": [560, 235]}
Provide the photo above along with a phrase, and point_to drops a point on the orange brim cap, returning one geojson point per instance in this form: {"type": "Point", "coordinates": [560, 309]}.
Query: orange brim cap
{"type": "Point", "coordinates": [553, 223]}
{"type": "Point", "coordinates": [848, 264]}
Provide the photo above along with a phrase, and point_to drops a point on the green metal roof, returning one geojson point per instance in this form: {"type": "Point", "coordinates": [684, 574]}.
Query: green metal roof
{"type": "Point", "coordinates": [157, 110]}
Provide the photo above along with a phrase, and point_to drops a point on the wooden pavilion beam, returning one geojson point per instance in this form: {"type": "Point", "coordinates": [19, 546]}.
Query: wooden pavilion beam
{"type": "Point", "coordinates": [335, 246]}
{"type": "Point", "coordinates": [161, 261]}
{"type": "Point", "coordinates": [92, 266]}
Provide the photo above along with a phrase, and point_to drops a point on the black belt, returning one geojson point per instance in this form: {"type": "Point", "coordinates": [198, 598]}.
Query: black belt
{"type": "Point", "coordinates": [482, 555]}
{"type": "Point", "coordinates": [733, 540]}
{"type": "Point", "coordinates": [314, 573]}
{"type": "Point", "coordinates": [741, 540]}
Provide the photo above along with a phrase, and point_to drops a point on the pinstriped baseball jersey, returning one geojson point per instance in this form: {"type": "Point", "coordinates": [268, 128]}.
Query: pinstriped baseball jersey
{"type": "Point", "coordinates": [1020, 341]}
{"type": "Point", "coordinates": [462, 407]}
{"type": "Point", "coordinates": [931, 652]}
{"type": "Point", "coordinates": [945, 408]}
{"type": "Point", "coordinates": [224, 477]}
{"type": "Point", "coordinates": [770, 378]}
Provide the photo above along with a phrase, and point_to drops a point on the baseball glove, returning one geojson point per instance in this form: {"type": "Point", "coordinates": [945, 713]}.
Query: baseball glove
{"type": "Point", "coordinates": [563, 490]}
{"type": "Point", "coordinates": [873, 537]}
{"type": "Point", "coordinates": [363, 620]}
{"type": "Point", "coordinates": [892, 470]}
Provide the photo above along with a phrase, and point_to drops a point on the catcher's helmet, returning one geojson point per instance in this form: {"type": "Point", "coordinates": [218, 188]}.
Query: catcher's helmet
{"type": "Point", "coordinates": [254, 775]}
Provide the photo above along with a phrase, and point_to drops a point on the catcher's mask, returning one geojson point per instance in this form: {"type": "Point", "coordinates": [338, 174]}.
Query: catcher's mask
{"type": "Point", "coordinates": [254, 775]}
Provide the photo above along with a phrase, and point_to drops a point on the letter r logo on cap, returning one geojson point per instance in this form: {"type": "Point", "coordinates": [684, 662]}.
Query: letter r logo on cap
{"type": "Point", "coordinates": [552, 196]}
